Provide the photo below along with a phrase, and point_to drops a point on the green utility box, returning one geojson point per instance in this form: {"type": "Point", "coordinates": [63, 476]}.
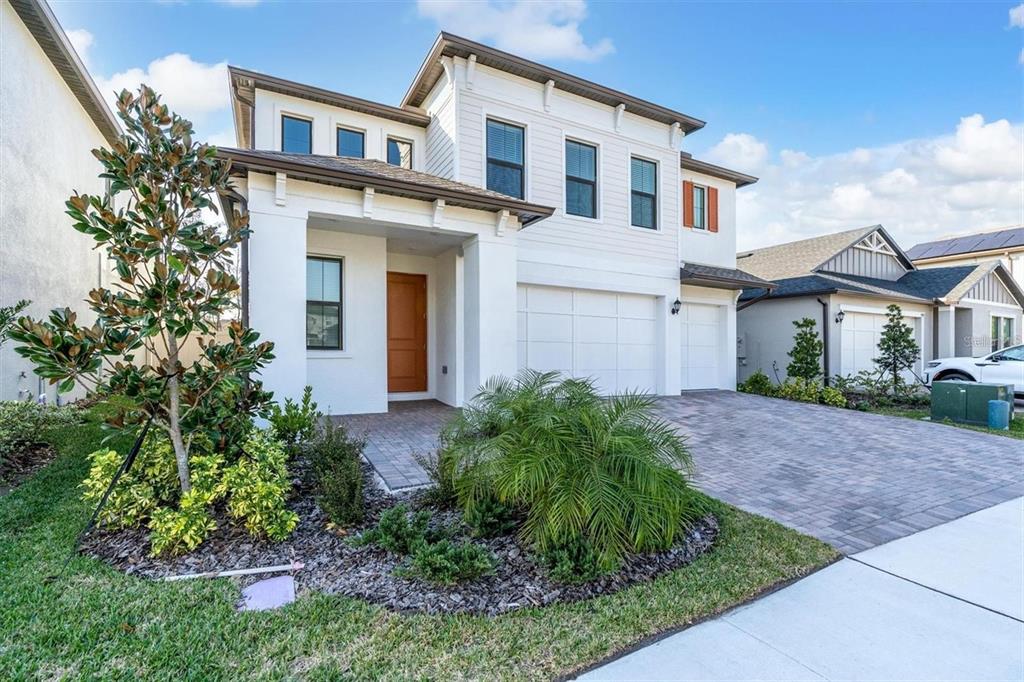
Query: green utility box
{"type": "Point", "coordinates": [967, 402]}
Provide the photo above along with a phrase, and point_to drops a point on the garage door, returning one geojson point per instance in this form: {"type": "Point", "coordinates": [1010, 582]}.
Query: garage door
{"type": "Point", "coordinates": [605, 336]}
{"type": "Point", "coordinates": [702, 345]}
{"type": "Point", "coordinates": [861, 334]}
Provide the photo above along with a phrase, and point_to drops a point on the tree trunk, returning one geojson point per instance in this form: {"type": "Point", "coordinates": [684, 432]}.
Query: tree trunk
{"type": "Point", "coordinates": [174, 426]}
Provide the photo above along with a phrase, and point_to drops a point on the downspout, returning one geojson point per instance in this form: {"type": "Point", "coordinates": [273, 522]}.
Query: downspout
{"type": "Point", "coordinates": [824, 337]}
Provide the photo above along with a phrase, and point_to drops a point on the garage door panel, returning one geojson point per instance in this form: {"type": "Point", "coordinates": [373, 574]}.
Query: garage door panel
{"type": "Point", "coordinates": [599, 303]}
{"type": "Point", "coordinates": [633, 356]}
{"type": "Point", "coordinates": [607, 337]}
{"type": "Point", "coordinates": [548, 327]}
{"type": "Point", "coordinates": [636, 307]}
{"type": "Point", "coordinates": [636, 331]}
{"type": "Point", "coordinates": [702, 314]}
{"type": "Point", "coordinates": [590, 328]}
{"type": "Point", "coordinates": [860, 336]}
{"type": "Point", "coordinates": [703, 357]}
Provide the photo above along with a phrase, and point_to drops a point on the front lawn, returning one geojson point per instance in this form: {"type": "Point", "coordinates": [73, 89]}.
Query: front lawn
{"type": "Point", "coordinates": [1016, 425]}
{"type": "Point", "coordinates": [97, 622]}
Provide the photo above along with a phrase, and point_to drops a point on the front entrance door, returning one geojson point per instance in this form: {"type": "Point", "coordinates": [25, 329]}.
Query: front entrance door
{"type": "Point", "coordinates": [407, 332]}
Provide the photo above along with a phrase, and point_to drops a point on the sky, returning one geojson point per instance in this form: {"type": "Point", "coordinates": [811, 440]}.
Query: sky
{"type": "Point", "coordinates": [908, 114]}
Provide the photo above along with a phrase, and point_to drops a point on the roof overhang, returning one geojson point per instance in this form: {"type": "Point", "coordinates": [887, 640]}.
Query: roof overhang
{"type": "Point", "coordinates": [243, 160]}
{"type": "Point", "coordinates": [44, 27]}
{"type": "Point", "coordinates": [695, 274]}
{"type": "Point", "coordinates": [449, 45]}
{"type": "Point", "coordinates": [689, 163]}
{"type": "Point", "coordinates": [244, 84]}
{"type": "Point", "coordinates": [957, 293]}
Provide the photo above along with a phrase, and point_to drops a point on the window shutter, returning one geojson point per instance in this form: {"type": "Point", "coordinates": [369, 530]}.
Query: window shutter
{"type": "Point", "coordinates": [687, 203]}
{"type": "Point", "coordinates": [712, 209]}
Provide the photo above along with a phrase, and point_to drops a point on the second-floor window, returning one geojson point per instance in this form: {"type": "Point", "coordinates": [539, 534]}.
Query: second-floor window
{"type": "Point", "coordinates": [505, 169]}
{"type": "Point", "coordinates": [296, 135]}
{"type": "Point", "coordinates": [351, 143]}
{"type": "Point", "coordinates": [399, 152]}
{"type": "Point", "coordinates": [700, 208]}
{"type": "Point", "coordinates": [643, 177]}
{"type": "Point", "coordinates": [580, 179]}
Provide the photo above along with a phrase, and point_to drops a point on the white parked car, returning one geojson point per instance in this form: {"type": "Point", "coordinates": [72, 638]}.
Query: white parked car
{"type": "Point", "coordinates": [1004, 366]}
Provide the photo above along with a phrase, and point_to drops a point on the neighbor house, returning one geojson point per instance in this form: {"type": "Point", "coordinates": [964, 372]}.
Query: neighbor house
{"type": "Point", "coordinates": [53, 116]}
{"type": "Point", "coordinates": [845, 281]}
{"type": "Point", "coordinates": [504, 215]}
{"type": "Point", "coordinates": [1006, 246]}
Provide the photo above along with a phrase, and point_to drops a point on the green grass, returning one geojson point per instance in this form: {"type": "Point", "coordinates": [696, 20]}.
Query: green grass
{"type": "Point", "coordinates": [98, 623]}
{"type": "Point", "coordinates": [1016, 425]}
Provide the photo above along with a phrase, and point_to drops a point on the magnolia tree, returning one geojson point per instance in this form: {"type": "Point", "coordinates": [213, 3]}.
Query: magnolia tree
{"type": "Point", "coordinates": [174, 282]}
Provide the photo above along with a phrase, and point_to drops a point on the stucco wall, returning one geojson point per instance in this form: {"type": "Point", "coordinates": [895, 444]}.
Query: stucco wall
{"type": "Point", "coordinates": [44, 157]}
{"type": "Point", "coordinates": [766, 330]}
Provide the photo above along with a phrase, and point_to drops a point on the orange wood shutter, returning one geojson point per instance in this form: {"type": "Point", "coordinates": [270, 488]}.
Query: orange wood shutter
{"type": "Point", "coordinates": [687, 203]}
{"type": "Point", "coordinates": [712, 209]}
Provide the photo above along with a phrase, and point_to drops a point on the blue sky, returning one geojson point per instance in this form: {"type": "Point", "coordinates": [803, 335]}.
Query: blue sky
{"type": "Point", "coordinates": [795, 92]}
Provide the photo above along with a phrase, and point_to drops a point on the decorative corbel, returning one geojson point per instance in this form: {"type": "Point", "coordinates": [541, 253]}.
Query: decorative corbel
{"type": "Point", "coordinates": [674, 135]}
{"type": "Point", "coordinates": [449, 69]}
{"type": "Point", "coordinates": [438, 213]}
{"type": "Point", "coordinates": [470, 70]}
{"type": "Point", "coordinates": [280, 189]}
{"type": "Point", "coordinates": [368, 193]}
{"type": "Point", "coordinates": [500, 223]}
{"type": "Point", "coordinates": [548, 88]}
{"type": "Point", "coordinates": [618, 116]}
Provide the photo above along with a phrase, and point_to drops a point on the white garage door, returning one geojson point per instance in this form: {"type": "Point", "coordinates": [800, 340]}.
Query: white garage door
{"type": "Point", "coordinates": [861, 334]}
{"type": "Point", "coordinates": [605, 336]}
{"type": "Point", "coordinates": [702, 345]}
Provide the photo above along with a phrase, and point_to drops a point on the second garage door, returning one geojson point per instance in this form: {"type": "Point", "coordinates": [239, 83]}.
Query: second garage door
{"type": "Point", "coordinates": [861, 334]}
{"type": "Point", "coordinates": [702, 345]}
{"type": "Point", "coordinates": [606, 336]}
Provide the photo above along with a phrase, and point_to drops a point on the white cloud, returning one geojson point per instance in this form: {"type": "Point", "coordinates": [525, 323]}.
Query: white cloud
{"type": "Point", "coordinates": [190, 88]}
{"type": "Point", "coordinates": [740, 151]}
{"type": "Point", "coordinates": [541, 30]}
{"type": "Point", "coordinates": [1017, 16]}
{"type": "Point", "coordinates": [921, 189]}
{"type": "Point", "coordinates": [81, 40]}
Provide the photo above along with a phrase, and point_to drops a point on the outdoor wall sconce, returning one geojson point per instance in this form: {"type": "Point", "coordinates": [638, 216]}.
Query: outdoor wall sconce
{"type": "Point", "coordinates": [676, 306]}
{"type": "Point", "coordinates": [840, 316]}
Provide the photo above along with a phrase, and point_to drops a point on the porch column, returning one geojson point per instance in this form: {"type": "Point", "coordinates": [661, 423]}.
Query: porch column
{"type": "Point", "coordinates": [945, 342]}
{"type": "Point", "coordinates": [490, 304]}
{"type": "Point", "coordinates": [277, 298]}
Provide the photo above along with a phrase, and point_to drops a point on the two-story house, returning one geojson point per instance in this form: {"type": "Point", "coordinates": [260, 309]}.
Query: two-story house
{"type": "Point", "coordinates": [504, 215]}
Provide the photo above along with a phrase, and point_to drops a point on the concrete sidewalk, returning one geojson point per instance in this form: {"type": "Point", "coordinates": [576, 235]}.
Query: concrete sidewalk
{"type": "Point", "coordinates": [943, 604]}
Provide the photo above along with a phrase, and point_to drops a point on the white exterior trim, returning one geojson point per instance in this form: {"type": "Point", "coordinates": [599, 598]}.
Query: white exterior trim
{"type": "Point", "coordinates": [993, 304]}
{"type": "Point", "coordinates": [877, 311]}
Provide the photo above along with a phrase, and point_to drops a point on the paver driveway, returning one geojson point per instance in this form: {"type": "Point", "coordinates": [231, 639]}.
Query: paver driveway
{"type": "Point", "coordinates": [852, 479]}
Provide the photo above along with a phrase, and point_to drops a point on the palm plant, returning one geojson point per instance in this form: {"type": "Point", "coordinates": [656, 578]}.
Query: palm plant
{"type": "Point", "coordinates": [578, 465]}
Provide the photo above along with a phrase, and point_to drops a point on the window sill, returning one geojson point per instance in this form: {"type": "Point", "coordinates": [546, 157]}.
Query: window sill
{"type": "Point", "coordinates": [699, 230]}
{"type": "Point", "coordinates": [312, 354]}
{"type": "Point", "coordinates": [582, 218]}
{"type": "Point", "coordinates": [645, 230]}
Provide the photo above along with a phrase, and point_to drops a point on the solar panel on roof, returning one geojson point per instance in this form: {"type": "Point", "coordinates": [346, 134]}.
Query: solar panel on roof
{"type": "Point", "coordinates": [989, 241]}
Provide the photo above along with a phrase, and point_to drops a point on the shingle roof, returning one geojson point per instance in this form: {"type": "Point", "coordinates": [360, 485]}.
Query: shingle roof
{"type": "Point", "coordinates": [728, 278]}
{"type": "Point", "coordinates": [795, 259]}
{"type": "Point", "coordinates": [382, 177]}
{"type": "Point", "coordinates": [687, 161]}
{"type": "Point", "coordinates": [973, 243]}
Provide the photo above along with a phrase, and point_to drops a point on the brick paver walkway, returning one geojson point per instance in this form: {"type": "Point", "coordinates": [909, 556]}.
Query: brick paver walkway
{"type": "Point", "coordinates": [395, 438]}
{"type": "Point", "coordinates": [852, 479]}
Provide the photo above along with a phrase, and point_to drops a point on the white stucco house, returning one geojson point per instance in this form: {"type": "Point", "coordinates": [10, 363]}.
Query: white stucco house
{"type": "Point", "coordinates": [503, 215]}
{"type": "Point", "coordinates": [845, 281]}
{"type": "Point", "coordinates": [53, 116]}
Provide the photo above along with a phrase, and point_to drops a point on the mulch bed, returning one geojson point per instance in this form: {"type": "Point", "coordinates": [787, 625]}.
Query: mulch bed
{"type": "Point", "coordinates": [334, 566]}
{"type": "Point", "coordinates": [23, 465]}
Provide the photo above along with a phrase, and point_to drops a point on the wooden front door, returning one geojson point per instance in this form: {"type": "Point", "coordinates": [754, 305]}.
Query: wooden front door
{"type": "Point", "coordinates": [407, 332]}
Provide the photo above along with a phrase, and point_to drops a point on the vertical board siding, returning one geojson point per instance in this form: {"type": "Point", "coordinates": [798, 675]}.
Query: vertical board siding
{"type": "Point", "coordinates": [991, 289]}
{"type": "Point", "coordinates": [854, 261]}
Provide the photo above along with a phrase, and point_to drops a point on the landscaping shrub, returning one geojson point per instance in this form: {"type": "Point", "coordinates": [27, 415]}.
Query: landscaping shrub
{"type": "Point", "coordinates": [757, 383]}
{"type": "Point", "coordinates": [489, 518]}
{"type": "Point", "coordinates": [800, 389]}
{"type": "Point", "coordinates": [440, 469]}
{"type": "Point", "coordinates": [297, 422]}
{"type": "Point", "coordinates": [805, 356]}
{"type": "Point", "coordinates": [257, 486]}
{"type": "Point", "coordinates": [24, 423]}
{"type": "Point", "coordinates": [572, 562]}
{"type": "Point", "coordinates": [448, 562]}
{"type": "Point", "coordinates": [398, 531]}
{"type": "Point", "coordinates": [575, 463]}
{"type": "Point", "coordinates": [897, 350]}
{"type": "Point", "coordinates": [832, 396]}
{"type": "Point", "coordinates": [175, 531]}
{"type": "Point", "coordinates": [338, 474]}
{"type": "Point", "coordinates": [152, 481]}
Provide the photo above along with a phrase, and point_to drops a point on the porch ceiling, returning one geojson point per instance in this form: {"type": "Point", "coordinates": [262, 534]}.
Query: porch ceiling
{"type": "Point", "coordinates": [411, 240]}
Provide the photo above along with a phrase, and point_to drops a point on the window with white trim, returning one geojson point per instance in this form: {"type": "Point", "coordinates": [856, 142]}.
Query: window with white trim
{"type": "Point", "coordinates": [323, 303]}
{"type": "Point", "coordinates": [1002, 332]}
{"type": "Point", "coordinates": [644, 190]}
{"type": "Point", "coordinates": [580, 179]}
